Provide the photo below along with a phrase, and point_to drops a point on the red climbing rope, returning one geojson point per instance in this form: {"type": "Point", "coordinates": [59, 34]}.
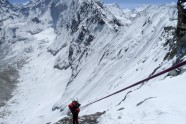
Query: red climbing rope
{"type": "Point", "coordinates": [140, 82]}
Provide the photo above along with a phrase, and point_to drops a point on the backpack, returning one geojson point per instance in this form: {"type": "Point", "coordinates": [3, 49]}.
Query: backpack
{"type": "Point", "coordinates": [76, 105]}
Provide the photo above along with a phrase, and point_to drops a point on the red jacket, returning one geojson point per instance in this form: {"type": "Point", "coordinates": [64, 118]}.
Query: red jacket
{"type": "Point", "coordinates": [73, 108]}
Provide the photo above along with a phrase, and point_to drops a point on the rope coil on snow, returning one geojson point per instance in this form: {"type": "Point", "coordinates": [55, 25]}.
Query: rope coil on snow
{"type": "Point", "coordinates": [139, 82]}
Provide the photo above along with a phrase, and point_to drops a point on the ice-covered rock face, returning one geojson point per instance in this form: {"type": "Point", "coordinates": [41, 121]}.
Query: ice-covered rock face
{"type": "Point", "coordinates": [63, 10]}
{"type": "Point", "coordinates": [80, 22]}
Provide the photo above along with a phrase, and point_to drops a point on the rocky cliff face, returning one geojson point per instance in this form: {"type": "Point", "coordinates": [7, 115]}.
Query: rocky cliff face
{"type": "Point", "coordinates": [84, 22]}
{"type": "Point", "coordinates": [8, 80]}
{"type": "Point", "coordinates": [181, 28]}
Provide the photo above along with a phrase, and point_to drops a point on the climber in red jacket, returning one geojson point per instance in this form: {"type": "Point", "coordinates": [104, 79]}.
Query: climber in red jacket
{"type": "Point", "coordinates": [74, 108]}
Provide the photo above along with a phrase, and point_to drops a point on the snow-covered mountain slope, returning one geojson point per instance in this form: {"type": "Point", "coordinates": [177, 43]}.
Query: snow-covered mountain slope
{"type": "Point", "coordinates": [121, 15]}
{"type": "Point", "coordinates": [65, 49]}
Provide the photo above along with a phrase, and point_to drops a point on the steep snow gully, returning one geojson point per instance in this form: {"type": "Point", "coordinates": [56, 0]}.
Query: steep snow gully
{"type": "Point", "coordinates": [53, 51]}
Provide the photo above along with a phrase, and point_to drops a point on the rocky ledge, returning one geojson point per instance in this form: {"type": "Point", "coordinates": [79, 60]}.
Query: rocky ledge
{"type": "Point", "coordinates": [85, 119]}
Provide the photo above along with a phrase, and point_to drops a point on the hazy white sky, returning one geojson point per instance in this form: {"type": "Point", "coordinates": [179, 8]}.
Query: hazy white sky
{"type": "Point", "coordinates": [122, 3]}
{"type": "Point", "coordinates": [134, 3]}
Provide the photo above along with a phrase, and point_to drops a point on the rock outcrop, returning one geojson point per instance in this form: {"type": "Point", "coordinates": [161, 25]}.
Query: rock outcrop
{"type": "Point", "coordinates": [86, 119]}
{"type": "Point", "coordinates": [181, 28]}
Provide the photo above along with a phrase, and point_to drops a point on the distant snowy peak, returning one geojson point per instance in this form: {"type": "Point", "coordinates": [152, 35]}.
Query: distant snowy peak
{"type": "Point", "coordinates": [115, 5]}
{"type": "Point", "coordinates": [27, 3]}
{"type": "Point", "coordinates": [126, 10]}
{"type": "Point", "coordinates": [115, 9]}
{"type": "Point", "coordinates": [2, 1]}
{"type": "Point", "coordinates": [78, 11]}
{"type": "Point", "coordinates": [5, 3]}
{"type": "Point", "coordinates": [65, 10]}
{"type": "Point", "coordinates": [97, 1]}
